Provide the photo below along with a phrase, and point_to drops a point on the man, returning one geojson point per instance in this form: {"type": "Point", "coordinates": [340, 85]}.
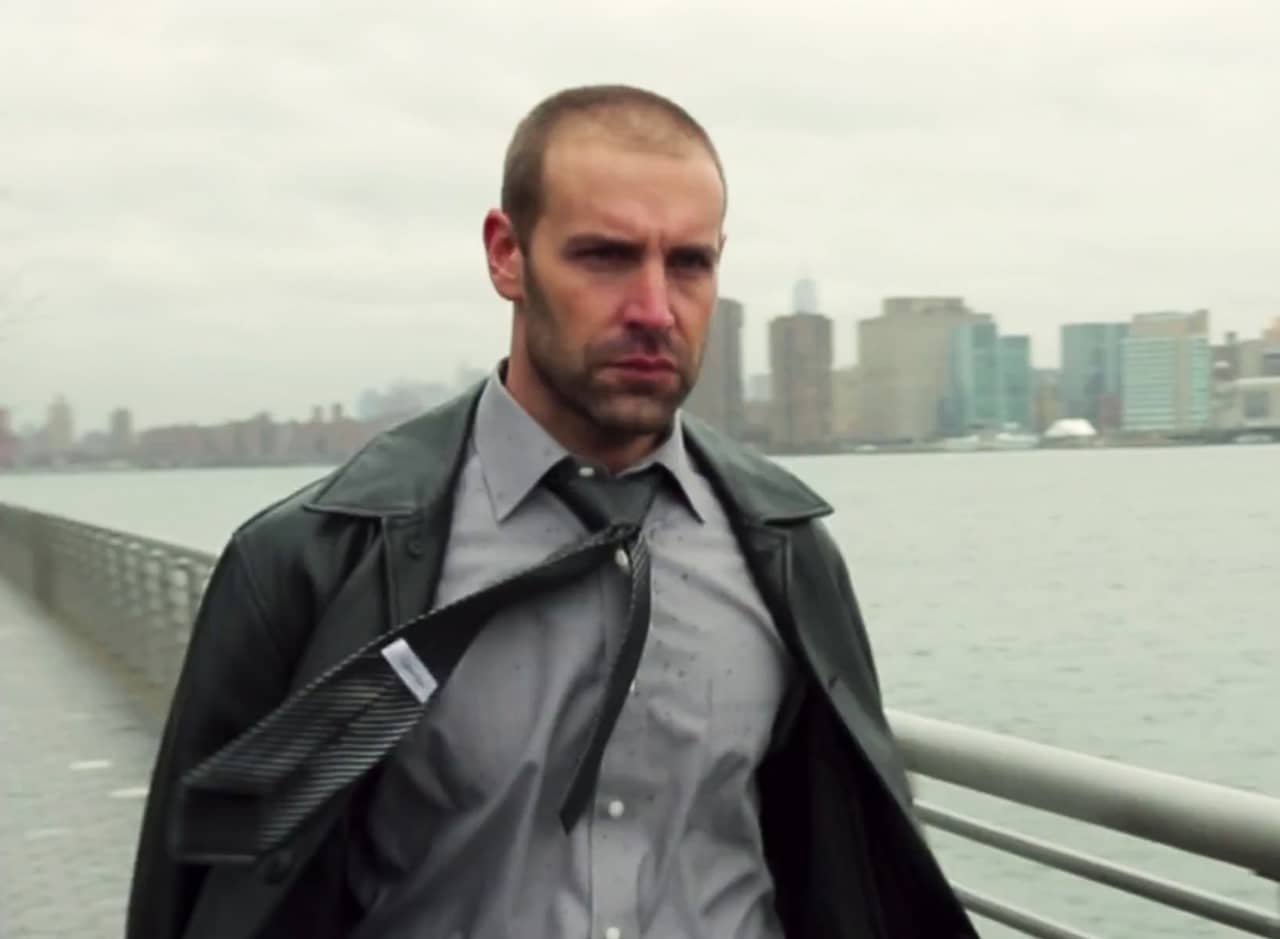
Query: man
{"type": "Point", "coordinates": [688, 743]}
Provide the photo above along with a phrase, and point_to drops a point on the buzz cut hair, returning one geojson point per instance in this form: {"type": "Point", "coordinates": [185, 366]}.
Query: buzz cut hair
{"type": "Point", "coordinates": [636, 116]}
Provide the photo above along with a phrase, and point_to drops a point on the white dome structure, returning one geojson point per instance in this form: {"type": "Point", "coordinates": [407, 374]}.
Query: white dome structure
{"type": "Point", "coordinates": [1070, 428]}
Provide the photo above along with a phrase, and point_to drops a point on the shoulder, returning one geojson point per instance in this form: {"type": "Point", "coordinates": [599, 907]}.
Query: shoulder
{"type": "Point", "coordinates": [751, 483]}
{"type": "Point", "coordinates": [294, 556]}
{"type": "Point", "coordinates": [400, 471]}
{"type": "Point", "coordinates": [282, 525]}
{"type": "Point", "coordinates": [756, 482]}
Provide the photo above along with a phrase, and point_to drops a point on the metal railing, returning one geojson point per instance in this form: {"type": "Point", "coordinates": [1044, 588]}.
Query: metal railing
{"type": "Point", "coordinates": [136, 598]}
{"type": "Point", "coordinates": [1218, 823]}
{"type": "Point", "coordinates": [133, 597]}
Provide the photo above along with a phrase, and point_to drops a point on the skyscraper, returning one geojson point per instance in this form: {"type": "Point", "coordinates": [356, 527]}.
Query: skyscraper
{"type": "Point", "coordinates": [972, 399]}
{"type": "Point", "coordinates": [60, 427]}
{"type": "Point", "coordinates": [804, 296]}
{"type": "Point", "coordinates": [846, 400]}
{"type": "Point", "coordinates": [1017, 382]}
{"type": "Point", "coordinates": [800, 358]}
{"type": "Point", "coordinates": [1092, 383]}
{"type": "Point", "coordinates": [717, 397]}
{"type": "Point", "coordinates": [120, 432]}
{"type": "Point", "coordinates": [989, 380]}
{"type": "Point", "coordinates": [1167, 372]}
{"type": "Point", "coordinates": [902, 356]}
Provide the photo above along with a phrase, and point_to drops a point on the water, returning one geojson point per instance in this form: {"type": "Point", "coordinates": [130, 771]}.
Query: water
{"type": "Point", "coordinates": [1123, 603]}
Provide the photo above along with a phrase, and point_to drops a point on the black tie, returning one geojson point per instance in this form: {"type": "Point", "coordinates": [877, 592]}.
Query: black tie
{"type": "Point", "coordinates": [249, 797]}
{"type": "Point", "coordinates": [602, 502]}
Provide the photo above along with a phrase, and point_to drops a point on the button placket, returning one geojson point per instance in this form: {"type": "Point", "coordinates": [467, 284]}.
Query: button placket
{"type": "Point", "coordinates": [617, 848]}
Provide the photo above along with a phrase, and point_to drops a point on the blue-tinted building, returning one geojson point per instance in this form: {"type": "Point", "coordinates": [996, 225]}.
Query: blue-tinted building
{"type": "Point", "coordinates": [989, 380]}
{"type": "Point", "coordinates": [1168, 372]}
{"type": "Point", "coordinates": [1017, 382]}
{"type": "Point", "coordinates": [1092, 381]}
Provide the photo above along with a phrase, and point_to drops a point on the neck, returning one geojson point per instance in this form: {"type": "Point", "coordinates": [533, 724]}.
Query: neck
{"type": "Point", "coordinates": [571, 429]}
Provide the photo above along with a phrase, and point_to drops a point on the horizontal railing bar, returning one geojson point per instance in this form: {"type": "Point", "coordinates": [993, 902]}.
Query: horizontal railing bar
{"type": "Point", "coordinates": [1029, 924]}
{"type": "Point", "coordinates": [1212, 821]}
{"type": "Point", "coordinates": [1207, 906]}
{"type": "Point", "coordinates": [62, 521]}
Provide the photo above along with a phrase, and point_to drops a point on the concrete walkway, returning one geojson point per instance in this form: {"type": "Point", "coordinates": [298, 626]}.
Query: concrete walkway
{"type": "Point", "coordinates": [75, 756]}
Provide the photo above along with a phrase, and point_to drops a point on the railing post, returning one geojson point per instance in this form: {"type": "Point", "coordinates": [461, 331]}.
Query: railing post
{"type": "Point", "coordinates": [117, 593]}
{"type": "Point", "coordinates": [42, 569]}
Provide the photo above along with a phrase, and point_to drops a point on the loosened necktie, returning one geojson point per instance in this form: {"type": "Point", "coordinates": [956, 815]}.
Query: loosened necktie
{"type": "Point", "coordinates": [601, 502]}
{"type": "Point", "coordinates": [252, 794]}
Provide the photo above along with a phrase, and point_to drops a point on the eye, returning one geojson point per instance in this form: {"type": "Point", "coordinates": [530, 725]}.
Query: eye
{"type": "Point", "coordinates": [691, 261]}
{"type": "Point", "coordinates": [607, 253]}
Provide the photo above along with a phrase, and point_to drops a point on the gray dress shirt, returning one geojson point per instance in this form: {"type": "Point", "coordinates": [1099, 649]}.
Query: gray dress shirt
{"type": "Point", "coordinates": [462, 836]}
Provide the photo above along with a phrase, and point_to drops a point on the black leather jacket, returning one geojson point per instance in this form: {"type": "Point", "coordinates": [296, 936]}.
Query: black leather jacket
{"type": "Point", "coordinates": [320, 573]}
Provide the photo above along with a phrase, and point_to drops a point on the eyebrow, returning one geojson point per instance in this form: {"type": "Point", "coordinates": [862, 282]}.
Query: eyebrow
{"type": "Point", "coordinates": [589, 240]}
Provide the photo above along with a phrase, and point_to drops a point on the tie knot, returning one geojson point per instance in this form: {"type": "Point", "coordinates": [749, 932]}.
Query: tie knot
{"type": "Point", "coordinates": [599, 499]}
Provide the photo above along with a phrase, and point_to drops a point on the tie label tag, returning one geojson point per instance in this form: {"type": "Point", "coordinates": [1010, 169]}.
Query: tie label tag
{"type": "Point", "coordinates": [409, 667]}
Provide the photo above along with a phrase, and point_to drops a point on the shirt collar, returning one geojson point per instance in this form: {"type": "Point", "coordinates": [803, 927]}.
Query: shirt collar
{"type": "Point", "coordinates": [515, 452]}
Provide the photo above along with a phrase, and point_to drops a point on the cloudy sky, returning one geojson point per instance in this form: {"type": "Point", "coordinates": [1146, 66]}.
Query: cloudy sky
{"type": "Point", "coordinates": [210, 207]}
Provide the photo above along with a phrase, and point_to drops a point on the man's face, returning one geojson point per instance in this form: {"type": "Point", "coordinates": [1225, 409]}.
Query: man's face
{"type": "Point", "coordinates": [619, 280]}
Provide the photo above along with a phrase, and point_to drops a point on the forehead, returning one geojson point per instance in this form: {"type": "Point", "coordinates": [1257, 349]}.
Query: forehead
{"type": "Point", "coordinates": [595, 179]}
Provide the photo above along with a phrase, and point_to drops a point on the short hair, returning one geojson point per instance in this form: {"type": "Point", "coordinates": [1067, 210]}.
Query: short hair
{"type": "Point", "coordinates": [643, 118]}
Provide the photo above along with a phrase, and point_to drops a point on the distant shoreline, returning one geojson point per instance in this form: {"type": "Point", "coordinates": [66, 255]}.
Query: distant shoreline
{"type": "Point", "coordinates": [1117, 443]}
{"type": "Point", "coordinates": [1110, 443]}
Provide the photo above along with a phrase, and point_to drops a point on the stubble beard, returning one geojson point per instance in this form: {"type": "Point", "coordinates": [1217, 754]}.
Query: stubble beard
{"type": "Point", "coordinates": [616, 413]}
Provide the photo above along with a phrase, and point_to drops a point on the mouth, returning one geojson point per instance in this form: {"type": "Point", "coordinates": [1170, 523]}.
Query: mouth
{"type": "Point", "coordinates": [650, 365]}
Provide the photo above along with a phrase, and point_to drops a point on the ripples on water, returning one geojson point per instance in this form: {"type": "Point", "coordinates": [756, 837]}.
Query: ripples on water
{"type": "Point", "coordinates": [1122, 603]}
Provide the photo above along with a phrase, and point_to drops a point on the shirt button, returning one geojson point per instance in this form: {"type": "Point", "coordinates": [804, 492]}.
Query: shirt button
{"type": "Point", "coordinates": [616, 808]}
{"type": "Point", "coordinates": [613, 932]}
{"type": "Point", "coordinates": [620, 558]}
{"type": "Point", "coordinates": [586, 471]}
{"type": "Point", "coordinates": [632, 689]}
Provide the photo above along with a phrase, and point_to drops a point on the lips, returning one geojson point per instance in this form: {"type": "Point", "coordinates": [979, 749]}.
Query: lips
{"type": "Point", "coordinates": [649, 364]}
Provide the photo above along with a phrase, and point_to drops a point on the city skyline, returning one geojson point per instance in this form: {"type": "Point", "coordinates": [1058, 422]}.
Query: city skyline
{"type": "Point", "coordinates": [846, 352]}
{"type": "Point", "coordinates": [939, 369]}
{"type": "Point", "coordinates": [204, 220]}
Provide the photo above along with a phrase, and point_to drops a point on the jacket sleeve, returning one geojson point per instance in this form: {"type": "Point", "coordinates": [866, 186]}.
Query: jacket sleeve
{"type": "Point", "coordinates": [233, 673]}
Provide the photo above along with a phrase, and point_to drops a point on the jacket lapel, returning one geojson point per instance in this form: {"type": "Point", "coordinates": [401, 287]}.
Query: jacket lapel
{"type": "Point", "coordinates": [767, 551]}
{"type": "Point", "coordinates": [828, 624]}
{"type": "Point", "coordinates": [773, 512]}
{"type": "Point", "coordinates": [404, 481]}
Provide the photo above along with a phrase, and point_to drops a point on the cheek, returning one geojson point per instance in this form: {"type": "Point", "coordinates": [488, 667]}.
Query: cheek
{"type": "Point", "coordinates": [587, 313]}
{"type": "Point", "coordinates": [694, 323]}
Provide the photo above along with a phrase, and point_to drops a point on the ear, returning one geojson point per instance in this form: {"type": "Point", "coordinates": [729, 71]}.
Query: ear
{"type": "Point", "coordinates": [504, 257]}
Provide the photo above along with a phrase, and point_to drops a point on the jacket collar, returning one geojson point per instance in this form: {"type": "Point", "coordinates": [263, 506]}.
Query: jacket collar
{"type": "Point", "coordinates": [411, 469]}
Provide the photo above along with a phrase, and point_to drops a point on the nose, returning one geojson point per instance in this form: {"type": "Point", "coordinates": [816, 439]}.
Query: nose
{"type": "Point", "coordinates": [649, 302]}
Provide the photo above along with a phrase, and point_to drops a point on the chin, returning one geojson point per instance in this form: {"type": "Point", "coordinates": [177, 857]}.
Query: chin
{"type": "Point", "coordinates": [631, 416]}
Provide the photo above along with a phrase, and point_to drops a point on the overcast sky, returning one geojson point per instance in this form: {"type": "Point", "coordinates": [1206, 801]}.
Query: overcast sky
{"type": "Point", "coordinates": [267, 204]}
